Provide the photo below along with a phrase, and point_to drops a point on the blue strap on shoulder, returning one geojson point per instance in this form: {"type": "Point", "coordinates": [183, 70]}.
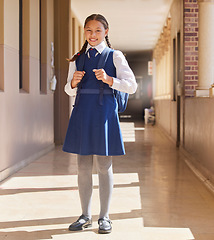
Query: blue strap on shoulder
{"type": "Point", "coordinates": [103, 58]}
{"type": "Point", "coordinates": [101, 64]}
{"type": "Point", "coordinates": [102, 61]}
{"type": "Point", "coordinates": [80, 62]}
{"type": "Point", "coordinates": [79, 65]}
{"type": "Point", "coordinates": [121, 97]}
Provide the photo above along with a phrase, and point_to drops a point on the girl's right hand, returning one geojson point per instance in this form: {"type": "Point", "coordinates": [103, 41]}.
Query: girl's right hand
{"type": "Point", "coordinates": [77, 77]}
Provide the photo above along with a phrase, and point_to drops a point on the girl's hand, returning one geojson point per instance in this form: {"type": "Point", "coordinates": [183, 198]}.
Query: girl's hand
{"type": "Point", "coordinates": [101, 75]}
{"type": "Point", "coordinates": [77, 77]}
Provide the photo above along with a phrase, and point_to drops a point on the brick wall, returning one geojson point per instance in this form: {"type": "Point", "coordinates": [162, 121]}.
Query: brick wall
{"type": "Point", "coordinates": [191, 46]}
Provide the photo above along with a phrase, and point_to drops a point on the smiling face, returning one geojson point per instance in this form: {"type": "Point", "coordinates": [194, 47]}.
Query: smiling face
{"type": "Point", "coordinates": [95, 32]}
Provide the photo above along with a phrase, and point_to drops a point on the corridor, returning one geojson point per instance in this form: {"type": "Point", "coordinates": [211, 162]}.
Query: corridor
{"type": "Point", "coordinates": [156, 196]}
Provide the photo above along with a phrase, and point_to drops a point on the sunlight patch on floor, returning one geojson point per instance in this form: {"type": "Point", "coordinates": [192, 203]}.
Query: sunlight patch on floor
{"type": "Point", "coordinates": [157, 233]}
{"type": "Point", "coordinates": [128, 131]}
{"type": "Point", "coordinates": [39, 182]}
{"type": "Point", "coordinates": [60, 232]}
{"type": "Point", "coordinates": [41, 201]}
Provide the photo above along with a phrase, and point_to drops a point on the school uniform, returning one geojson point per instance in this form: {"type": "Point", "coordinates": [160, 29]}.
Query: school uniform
{"type": "Point", "coordinates": [94, 132]}
{"type": "Point", "coordinates": [94, 124]}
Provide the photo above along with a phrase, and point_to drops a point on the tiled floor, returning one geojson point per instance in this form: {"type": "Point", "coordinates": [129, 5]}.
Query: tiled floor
{"type": "Point", "coordinates": [156, 196]}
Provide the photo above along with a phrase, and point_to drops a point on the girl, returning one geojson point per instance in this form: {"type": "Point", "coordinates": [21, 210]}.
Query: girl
{"type": "Point", "coordinates": [94, 132]}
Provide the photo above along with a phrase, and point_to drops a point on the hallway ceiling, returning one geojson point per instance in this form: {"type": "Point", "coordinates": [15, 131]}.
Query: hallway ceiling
{"type": "Point", "coordinates": [135, 25]}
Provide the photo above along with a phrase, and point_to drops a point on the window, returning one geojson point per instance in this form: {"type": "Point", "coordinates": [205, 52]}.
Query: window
{"type": "Point", "coordinates": [43, 45]}
{"type": "Point", "coordinates": [20, 42]}
{"type": "Point", "coordinates": [174, 69]}
{"type": "Point", "coordinates": [73, 35]}
{"type": "Point", "coordinates": [40, 45]}
{"type": "Point", "coordinates": [1, 45]}
{"type": "Point", "coordinates": [176, 64]}
{"type": "Point", "coordinates": [24, 44]}
{"type": "Point", "coordinates": [178, 56]}
{"type": "Point", "coordinates": [80, 37]}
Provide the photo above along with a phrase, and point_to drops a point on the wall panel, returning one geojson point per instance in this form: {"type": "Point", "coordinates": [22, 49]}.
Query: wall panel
{"type": "Point", "coordinates": [26, 122]}
{"type": "Point", "coordinates": [199, 137]}
{"type": "Point", "coordinates": [1, 45]}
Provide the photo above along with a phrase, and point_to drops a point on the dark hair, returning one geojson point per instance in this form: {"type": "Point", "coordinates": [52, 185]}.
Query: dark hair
{"type": "Point", "coordinates": [97, 17]}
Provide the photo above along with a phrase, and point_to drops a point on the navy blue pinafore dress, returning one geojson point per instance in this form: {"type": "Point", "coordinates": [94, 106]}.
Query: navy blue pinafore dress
{"type": "Point", "coordinates": [94, 127]}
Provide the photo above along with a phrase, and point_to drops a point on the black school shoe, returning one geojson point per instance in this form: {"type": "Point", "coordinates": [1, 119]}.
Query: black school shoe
{"type": "Point", "coordinates": [81, 223]}
{"type": "Point", "coordinates": [104, 225]}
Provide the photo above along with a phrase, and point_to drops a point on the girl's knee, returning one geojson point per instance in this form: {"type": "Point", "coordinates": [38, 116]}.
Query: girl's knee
{"type": "Point", "coordinates": [85, 163]}
{"type": "Point", "coordinates": [104, 165]}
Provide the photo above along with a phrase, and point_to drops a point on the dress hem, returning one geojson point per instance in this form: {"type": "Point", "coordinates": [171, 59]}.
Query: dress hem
{"type": "Point", "coordinates": [92, 153]}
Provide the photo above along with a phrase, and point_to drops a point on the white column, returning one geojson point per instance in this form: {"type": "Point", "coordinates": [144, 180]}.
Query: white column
{"type": "Point", "coordinates": [205, 47]}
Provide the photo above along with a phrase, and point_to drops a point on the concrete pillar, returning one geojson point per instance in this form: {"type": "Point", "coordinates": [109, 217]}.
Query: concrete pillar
{"type": "Point", "coordinates": [205, 47]}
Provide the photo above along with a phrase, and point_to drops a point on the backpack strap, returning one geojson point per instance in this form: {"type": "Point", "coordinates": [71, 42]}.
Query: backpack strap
{"type": "Point", "coordinates": [79, 65]}
{"type": "Point", "coordinates": [103, 58]}
{"type": "Point", "coordinates": [101, 64]}
{"type": "Point", "coordinates": [80, 62]}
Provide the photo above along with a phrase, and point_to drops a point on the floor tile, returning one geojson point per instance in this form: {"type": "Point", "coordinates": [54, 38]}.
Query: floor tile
{"type": "Point", "coordinates": [155, 197]}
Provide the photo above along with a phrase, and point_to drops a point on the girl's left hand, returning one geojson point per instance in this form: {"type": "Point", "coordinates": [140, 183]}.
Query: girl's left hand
{"type": "Point", "coordinates": [101, 75]}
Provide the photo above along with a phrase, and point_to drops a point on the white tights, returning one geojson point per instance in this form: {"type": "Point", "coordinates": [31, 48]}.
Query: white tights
{"type": "Point", "coordinates": [105, 173]}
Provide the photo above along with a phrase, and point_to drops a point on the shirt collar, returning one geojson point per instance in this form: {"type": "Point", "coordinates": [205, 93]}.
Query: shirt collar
{"type": "Point", "coordinates": [100, 47]}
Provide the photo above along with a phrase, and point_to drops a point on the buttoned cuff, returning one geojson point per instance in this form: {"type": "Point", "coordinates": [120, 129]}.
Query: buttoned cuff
{"type": "Point", "coordinates": [116, 83]}
{"type": "Point", "coordinates": [70, 91]}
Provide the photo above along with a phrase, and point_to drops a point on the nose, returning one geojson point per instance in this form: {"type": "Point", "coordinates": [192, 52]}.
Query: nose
{"type": "Point", "coordinates": [93, 33]}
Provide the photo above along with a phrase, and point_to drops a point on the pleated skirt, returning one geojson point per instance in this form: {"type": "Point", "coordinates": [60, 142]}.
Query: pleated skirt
{"type": "Point", "coordinates": [93, 128]}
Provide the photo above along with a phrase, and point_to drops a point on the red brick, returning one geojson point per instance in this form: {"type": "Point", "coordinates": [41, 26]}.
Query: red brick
{"type": "Point", "coordinates": [191, 72]}
{"type": "Point", "coordinates": [190, 15]}
{"type": "Point", "coordinates": [191, 53]}
{"type": "Point", "coordinates": [190, 34]}
{"type": "Point", "coordinates": [191, 5]}
{"type": "Point", "coordinates": [191, 83]}
{"type": "Point", "coordinates": [191, 24]}
{"type": "Point", "coordinates": [191, 63]}
{"type": "Point", "coordinates": [191, 44]}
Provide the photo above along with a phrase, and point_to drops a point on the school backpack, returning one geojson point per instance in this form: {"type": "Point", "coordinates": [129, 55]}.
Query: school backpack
{"type": "Point", "coordinates": [121, 97]}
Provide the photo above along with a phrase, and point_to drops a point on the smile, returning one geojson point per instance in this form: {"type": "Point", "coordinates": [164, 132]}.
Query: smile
{"type": "Point", "coordinates": [93, 39]}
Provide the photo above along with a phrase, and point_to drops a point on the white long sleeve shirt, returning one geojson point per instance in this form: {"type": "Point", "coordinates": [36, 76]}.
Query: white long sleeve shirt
{"type": "Point", "coordinates": [125, 80]}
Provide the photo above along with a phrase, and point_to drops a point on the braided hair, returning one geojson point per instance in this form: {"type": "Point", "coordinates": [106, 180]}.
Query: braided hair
{"type": "Point", "coordinates": [97, 17]}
